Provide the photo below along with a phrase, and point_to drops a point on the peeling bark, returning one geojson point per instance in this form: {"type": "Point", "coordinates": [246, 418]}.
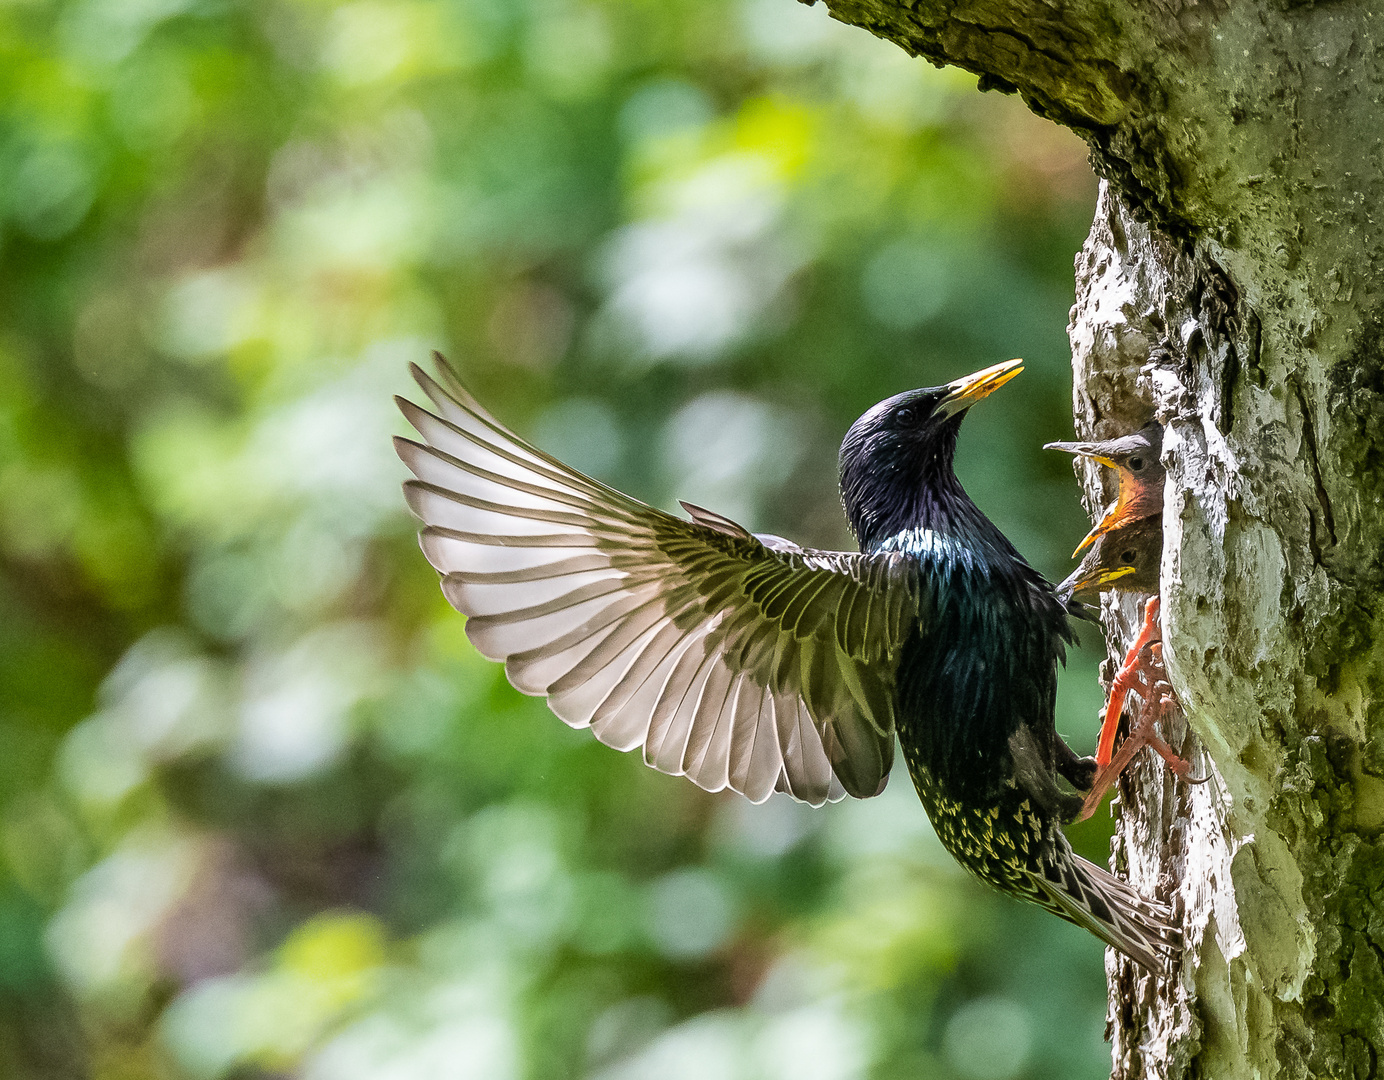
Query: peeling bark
{"type": "Point", "coordinates": [1233, 287]}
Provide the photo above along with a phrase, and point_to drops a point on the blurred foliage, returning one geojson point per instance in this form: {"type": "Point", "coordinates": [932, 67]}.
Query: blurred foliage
{"type": "Point", "coordinates": [263, 811]}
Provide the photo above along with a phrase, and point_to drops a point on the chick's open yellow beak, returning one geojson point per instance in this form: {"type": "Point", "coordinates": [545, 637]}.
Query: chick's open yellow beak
{"type": "Point", "coordinates": [1118, 514]}
{"type": "Point", "coordinates": [963, 393]}
{"type": "Point", "coordinates": [1096, 580]}
{"type": "Point", "coordinates": [1101, 578]}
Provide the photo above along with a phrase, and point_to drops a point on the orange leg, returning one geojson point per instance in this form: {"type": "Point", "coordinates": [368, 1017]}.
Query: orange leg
{"type": "Point", "coordinates": [1105, 779]}
{"type": "Point", "coordinates": [1157, 697]}
{"type": "Point", "coordinates": [1125, 681]}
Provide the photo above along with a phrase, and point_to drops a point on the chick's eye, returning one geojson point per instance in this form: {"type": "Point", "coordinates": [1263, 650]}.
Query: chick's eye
{"type": "Point", "coordinates": [1127, 556]}
{"type": "Point", "coordinates": [1136, 464]}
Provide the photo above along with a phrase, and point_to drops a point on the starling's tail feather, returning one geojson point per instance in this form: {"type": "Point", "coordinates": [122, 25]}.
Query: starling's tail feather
{"type": "Point", "coordinates": [1096, 900]}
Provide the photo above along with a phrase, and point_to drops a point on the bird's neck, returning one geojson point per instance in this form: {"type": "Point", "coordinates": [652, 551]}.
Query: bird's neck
{"type": "Point", "coordinates": [930, 519]}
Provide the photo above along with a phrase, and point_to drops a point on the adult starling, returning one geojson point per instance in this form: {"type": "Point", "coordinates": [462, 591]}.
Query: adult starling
{"type": "Point", "coordinates": [763, 666]}
{"type": "Point", "coordinates": [1137, 460]}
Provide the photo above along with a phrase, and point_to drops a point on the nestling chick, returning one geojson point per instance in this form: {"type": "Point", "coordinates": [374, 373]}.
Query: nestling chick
{"type": "Point", "coordinates": [1125, 560]}
{"type": "Point", "coordinates": [1136, 458]}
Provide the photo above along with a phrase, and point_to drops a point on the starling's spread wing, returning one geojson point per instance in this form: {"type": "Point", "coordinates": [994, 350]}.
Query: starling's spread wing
{"type": "Point", "coordinates": [735, 663]}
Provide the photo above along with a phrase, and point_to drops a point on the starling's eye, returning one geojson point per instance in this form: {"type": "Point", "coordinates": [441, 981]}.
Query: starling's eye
{"type": "Point", "coordinates": [1136, 464]}
{"type": "Point", "coordinates": [905, 416]}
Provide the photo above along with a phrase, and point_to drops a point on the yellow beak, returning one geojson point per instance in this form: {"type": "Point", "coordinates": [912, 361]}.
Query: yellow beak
{"type": "Point", "coordinates": [1100, 579]}
{"type": "Point", "coordinates": [963, 393]}
{"type": "Point", "coordinates": [1118, 513]}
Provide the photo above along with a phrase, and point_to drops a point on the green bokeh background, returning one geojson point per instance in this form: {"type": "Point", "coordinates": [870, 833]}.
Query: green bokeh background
{"type": "Point", "coordinates": [264, 811]}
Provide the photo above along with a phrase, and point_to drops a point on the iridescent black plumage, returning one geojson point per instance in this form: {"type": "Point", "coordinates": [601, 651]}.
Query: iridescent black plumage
{"type": "Point", "coordinates": [977, 681]}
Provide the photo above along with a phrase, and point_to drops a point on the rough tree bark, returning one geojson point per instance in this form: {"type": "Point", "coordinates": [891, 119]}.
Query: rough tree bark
{"type": "Point", "coordinates": [1231, 286]}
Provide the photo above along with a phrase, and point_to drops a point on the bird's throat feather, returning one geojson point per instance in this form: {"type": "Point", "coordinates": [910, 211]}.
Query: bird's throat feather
{"type": "Point", "coordinates": [982, 662]}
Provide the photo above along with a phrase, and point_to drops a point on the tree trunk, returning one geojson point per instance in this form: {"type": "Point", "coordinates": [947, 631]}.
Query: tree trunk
{"type": "Point", "coordinates": [1231, 286]}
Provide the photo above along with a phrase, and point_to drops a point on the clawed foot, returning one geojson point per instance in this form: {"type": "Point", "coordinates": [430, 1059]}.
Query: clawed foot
{"type": "Point", "coordinates": [1143, 673]}
{"type": "Point", "coordinates": [1143, 735]}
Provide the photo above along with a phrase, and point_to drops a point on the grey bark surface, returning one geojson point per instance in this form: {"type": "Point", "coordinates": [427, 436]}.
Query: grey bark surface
{"type": "Point", "coordinates": [1233, 287]}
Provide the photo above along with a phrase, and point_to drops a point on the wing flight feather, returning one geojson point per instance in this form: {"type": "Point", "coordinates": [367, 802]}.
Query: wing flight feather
{"type": "Point", "coordinates": [741, 663]}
